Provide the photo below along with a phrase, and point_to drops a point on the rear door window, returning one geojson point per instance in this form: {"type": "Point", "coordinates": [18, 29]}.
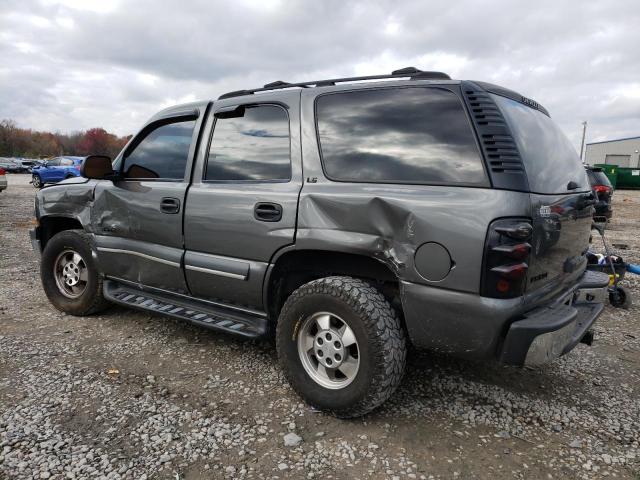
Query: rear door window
{"type": "Point", "coordinates": [414, 135]}
{"type": "Point", "coordinates": [253, 146]}
{"type": "Point", "coordinates": [551, 161]}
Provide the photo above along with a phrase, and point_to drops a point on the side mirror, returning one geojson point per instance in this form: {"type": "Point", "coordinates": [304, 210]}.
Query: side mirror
{"type": "Point", "coordinates": [98, 167]}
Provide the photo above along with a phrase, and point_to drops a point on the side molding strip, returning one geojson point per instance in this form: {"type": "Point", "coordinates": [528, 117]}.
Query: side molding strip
{"type": "Point", "coordinates": [138, 254]}
{"type": "Point", "coordinates": [216, 272]}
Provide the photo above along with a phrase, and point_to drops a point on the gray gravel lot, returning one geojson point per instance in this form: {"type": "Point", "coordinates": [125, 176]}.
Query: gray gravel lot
{"type": "Point", "coordinates": [132, 395]}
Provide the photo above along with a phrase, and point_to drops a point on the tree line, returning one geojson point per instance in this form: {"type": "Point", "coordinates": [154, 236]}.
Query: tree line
{"type": "Point", "coordinates": [27, 143]}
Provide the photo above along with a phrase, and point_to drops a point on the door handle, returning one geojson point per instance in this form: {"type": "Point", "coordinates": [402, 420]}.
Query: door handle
{"type": "Point", "coordinates": [267, 212]}
{"type": "Point", "coordinates": [169, 205]}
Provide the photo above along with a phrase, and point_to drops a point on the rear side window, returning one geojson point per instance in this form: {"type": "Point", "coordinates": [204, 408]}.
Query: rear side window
{"type": "Point", "coordinates": [162, 154]}
{"type": "Point", "coordinates": [66, 162]}
{"type": "Point", "coordinates": [551, 161]}
{"type": "Point", "coordinates": [413, 135]}
{"type": "Point", "coordinates": [253, 146]}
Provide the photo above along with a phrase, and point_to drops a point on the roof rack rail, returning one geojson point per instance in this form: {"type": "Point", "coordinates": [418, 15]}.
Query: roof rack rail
{"type": "Point", "coordinates": [411, 72]}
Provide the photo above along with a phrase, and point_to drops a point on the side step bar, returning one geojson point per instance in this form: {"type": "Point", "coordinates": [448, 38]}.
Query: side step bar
{"type": "Point", "coordinates": [236, 323]}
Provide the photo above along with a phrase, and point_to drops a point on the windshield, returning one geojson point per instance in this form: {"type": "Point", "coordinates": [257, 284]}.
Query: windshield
{"type": "Point", "coordinates": [549, 158]}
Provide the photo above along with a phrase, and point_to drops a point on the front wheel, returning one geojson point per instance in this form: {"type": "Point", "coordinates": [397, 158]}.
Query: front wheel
{"type": "Point", "coordinates": [36, 181]}
{"type": "Point", "coordinates": [69, 274]}
{"type": "Point", "coordinates": [341, 345]}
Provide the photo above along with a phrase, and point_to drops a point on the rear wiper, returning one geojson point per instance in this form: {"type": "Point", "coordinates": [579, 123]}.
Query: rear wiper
{"type": "Point", "coordinates": [572, 185]}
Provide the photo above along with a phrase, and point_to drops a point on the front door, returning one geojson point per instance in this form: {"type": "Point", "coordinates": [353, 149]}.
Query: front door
{"type": "Point", "coordinates": [138, 220]}
{"type": "Point", "coordinates": [242, 205]}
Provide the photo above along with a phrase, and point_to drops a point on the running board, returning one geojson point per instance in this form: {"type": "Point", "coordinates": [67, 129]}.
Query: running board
{"type": "Point", "coordinates": [236, 323]}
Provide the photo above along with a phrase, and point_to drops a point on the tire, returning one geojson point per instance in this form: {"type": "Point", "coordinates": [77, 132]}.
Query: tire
{"type": "Point", "coordinates": [380, 345]}
{"type": "Point", "coordinates": [619, 297]}
{"type": "Point", "coordinates": [36, 181]}
{"type": "Point", "coordinates": [84, 297]}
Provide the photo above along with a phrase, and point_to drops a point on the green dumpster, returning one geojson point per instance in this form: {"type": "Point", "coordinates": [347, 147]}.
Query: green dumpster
{"type": "Point", "coordinates": [611, 171]}
{"type": "Point", "coordinates": [629, 178]}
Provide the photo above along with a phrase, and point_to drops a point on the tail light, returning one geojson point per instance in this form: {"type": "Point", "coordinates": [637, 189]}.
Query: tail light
{"type": "Point", "coordinates": [2, 171]}
{"type": "Point", "coordinates": [506, 258]}
{"type": "Point", "coordinates": [604, 189]}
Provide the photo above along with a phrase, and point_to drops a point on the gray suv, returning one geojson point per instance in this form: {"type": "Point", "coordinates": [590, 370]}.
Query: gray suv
{"type": "Point", "coordinates": [349, 217]}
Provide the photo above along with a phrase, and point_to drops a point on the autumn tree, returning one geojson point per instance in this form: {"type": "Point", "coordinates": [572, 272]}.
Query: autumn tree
{"type": "Point", "coordinates": [21, 142]}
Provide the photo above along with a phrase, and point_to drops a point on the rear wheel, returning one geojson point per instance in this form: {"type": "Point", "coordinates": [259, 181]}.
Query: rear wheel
{"type": "Point", "coordinates": [341, 345]}
{"type": "Point", "coordinates": [36, 181]}
{"type": "Point", "coordinates": [70, 277]}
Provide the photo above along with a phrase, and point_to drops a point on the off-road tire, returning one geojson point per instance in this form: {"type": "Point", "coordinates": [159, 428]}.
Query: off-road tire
{"type": "Point", "coordinates": [380, 337]}
{"type": "Point", "coordinates": [91, 301]}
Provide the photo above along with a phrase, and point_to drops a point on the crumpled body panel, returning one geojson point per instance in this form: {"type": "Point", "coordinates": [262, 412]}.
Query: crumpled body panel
{"type": "Point", "coordinates": [72, 199]}
{"type": "Point", "coordinates": [390, 222]}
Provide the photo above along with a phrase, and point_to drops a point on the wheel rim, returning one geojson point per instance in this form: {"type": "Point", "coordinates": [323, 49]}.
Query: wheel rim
{"type": "Point", "coordinates": [328, 350]}
{"type": "Point", "coordinates": [36, 181]}
{"type": "Point", "coordinates": [71, 273]}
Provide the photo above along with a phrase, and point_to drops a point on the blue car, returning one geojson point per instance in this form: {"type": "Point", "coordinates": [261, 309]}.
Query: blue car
{"type": "Point", "coordinates": [55, 170]}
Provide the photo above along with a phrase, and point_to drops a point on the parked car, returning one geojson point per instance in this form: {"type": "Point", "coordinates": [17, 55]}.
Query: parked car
{"type": "Point", "coordinates": [23, 166]}
{"type": "Point", "coordinates": [347, 216]}
{"type": "Point", "coordinates": [55, 170]}
{"type": "Point", "coordinates": [603, 191]}
{"type": "Point", "coordinates": [3, 179]}
{"type": "Point", "coordinates": [9, 166]}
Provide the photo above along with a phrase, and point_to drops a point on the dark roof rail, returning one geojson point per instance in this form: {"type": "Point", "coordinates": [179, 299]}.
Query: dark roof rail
{"type": "Point", "coordinates": [411, 72]}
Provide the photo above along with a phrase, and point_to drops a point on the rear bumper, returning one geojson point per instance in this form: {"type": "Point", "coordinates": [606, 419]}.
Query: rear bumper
{"type": "Point", "coordinates": [548, 333]}
{"type": "Point", "coordinates": [511, 331]}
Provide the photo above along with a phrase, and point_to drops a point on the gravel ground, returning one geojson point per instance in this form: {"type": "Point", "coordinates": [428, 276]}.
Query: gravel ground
{"type": "Point", "coordinates": [132, 395]}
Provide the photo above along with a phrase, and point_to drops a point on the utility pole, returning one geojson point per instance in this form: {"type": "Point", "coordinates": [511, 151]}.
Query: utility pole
{"type": "Point", "coordinates": [584, 131]}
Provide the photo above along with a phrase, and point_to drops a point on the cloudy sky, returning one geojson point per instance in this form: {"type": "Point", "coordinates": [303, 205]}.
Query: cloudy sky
{"type": "Point", "coordinates": [75, 64]}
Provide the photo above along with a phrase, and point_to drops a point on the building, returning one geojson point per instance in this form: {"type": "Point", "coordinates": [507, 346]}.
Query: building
{"type": "Point", "coordinates": [624, 152]}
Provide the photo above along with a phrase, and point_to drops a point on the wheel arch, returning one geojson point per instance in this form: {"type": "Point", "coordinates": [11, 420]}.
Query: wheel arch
{"type": "Point", "coordinates": [293, 268]}
{"type": "Point", "coordinates": [50, 225]}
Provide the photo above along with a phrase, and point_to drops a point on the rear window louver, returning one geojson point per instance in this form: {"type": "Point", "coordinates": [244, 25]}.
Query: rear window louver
{"type": "Point", "coordinates": [498, 146]}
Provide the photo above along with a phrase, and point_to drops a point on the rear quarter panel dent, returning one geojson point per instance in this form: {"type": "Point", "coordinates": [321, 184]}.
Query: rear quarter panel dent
{"type": "Point", "coordinates": [389, 222]}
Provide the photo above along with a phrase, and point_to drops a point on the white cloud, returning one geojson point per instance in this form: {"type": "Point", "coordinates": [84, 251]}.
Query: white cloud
{"type": "Point", "coordinates": [75, 64]}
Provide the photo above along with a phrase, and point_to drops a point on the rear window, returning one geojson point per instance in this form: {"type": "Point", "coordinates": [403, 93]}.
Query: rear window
{"type": "Point", "coordinates": [549, 158]}
{"type": "Point", "coordinates": [413, 135]}
{"type": "Point", "coordinates": [598, 177]}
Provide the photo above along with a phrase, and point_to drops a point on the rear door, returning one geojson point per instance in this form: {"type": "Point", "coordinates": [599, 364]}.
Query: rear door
{"type": "Point", "coordinates": [242, 205]}
{"type": "Point", "coordinates": [561, 200]}
{"type": "Point", "coordinates": [138, 220]}
{"type": "Point", "coordinates": [65, 168]}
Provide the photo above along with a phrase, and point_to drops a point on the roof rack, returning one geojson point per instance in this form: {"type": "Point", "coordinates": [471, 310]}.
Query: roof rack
{"type": "Point", "coordinates": [411, 72]}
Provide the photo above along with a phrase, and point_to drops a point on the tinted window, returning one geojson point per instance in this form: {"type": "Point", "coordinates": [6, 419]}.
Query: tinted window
{"type": "Point", "coordinates": [551, 161]}
{"type": "Point", "coordinates": [162, 153]}
{"type": "Point", "coordinates": [403, 135]}
{"type": "Point", "coordinates": [254, 146]}
{"type": "Point", "coordinates": [598, 177]}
